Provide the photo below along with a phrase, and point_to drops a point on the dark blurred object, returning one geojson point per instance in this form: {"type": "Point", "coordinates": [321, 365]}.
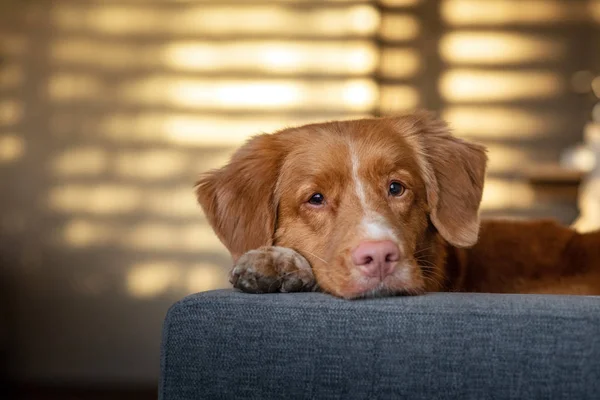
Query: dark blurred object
{"type": "Point", "coordinates": [80, 392]}
{"type": "Point", "coordinates": [585, 157]}
{"type": "Point", "coordinates": [558, 186]}
{"type": "Point", "coordinates": [5, 324]}
{"type": "Point", "coordinates": [554, 183]}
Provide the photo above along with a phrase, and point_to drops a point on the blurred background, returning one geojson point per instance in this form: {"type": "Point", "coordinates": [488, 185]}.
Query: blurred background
{"type": "Point", "coordinates": [110, 109]}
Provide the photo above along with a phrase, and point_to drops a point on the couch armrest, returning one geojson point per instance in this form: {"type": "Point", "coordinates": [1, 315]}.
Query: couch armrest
{"type": "Point", "coordinates": [227, 344]}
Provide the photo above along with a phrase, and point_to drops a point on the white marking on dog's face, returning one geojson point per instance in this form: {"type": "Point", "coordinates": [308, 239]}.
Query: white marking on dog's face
{"type": "Point", "coordinates": [358, 184]}
{"type": "Point", "coordinates": [377, 229]}
{"type": "Point", "coordinates": [373, 225]}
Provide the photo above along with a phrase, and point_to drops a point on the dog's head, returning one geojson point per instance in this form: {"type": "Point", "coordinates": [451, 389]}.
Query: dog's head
{"type": "Point", "coordinates": [366, 201]}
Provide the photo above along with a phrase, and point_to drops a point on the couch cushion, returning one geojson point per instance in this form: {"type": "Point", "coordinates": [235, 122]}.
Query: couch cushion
{"type": "Point", "coordinates": [227, 344]}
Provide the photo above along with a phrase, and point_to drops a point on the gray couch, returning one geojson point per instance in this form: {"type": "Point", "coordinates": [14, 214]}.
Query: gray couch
{"type": "Point", "coordinates": [227, 344]}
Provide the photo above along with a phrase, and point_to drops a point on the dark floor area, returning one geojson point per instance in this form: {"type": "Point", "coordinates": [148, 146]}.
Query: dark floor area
{"type": "Point", "coordinates": [37, 392]}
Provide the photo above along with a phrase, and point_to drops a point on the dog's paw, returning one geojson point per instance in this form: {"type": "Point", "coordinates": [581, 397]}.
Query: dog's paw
{"type": "Point", "coordinates": [272, 269]}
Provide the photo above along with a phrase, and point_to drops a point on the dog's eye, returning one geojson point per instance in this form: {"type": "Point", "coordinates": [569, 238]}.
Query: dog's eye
{"type": "Point", "coordinates": [316, 199]}
{"type": "Point", "coordinates": [396, 189]}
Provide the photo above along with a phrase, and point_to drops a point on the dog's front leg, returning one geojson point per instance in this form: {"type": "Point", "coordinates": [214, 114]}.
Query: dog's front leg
{"type": "Point", "coordinates": [272, 269]}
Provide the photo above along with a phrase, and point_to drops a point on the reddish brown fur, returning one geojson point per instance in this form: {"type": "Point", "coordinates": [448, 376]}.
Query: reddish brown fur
{"type": "Point", "coordinates": [261, 199]}
{"type": "Point", "coordinates": [528, 257]}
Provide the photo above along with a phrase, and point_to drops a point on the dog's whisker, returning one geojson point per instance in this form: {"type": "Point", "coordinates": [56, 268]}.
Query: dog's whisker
{"type": "Point", "coordinates": [425, 262]}
{"type": "Point", "coordinates": [435, 274]}
{"type": "Point", "coordinates": [316, 256]}
{"type": "Point", "coordinates": [422, 250]}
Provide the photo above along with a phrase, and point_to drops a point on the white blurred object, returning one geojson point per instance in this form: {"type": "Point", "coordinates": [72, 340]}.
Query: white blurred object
{"type": "Point", "coordinates": [587, 158]}
{"type": "Point", "coordinates": [579, 157]}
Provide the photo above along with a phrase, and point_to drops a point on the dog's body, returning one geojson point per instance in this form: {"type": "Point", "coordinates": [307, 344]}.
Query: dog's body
{"type": "Point", "coordinates": [381, 206]}
{"type": "Point", "coordinates": [526, 257]}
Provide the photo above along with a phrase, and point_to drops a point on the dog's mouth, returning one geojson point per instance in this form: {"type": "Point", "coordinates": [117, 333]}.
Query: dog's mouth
{"type": "Point", "coordinates": [382, 290]}
{"type": "Point", "coordinates": [388, 287]}
{"type": "Point", "coordinates": [348, 281]}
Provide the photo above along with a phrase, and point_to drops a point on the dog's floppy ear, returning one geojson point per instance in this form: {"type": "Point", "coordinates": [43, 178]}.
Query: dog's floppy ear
{"type": "Point", "coordinates": [454, 172]}
{"type": "Point", "coordinates": [239, 199]}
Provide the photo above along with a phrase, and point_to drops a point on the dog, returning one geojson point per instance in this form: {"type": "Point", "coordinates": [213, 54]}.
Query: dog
{"type": "Point", "coordinates": [377, 207]}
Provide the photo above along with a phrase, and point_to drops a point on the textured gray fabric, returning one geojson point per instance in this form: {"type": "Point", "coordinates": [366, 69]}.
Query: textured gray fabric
{"type": "Point", "coordinates": [227, 344]}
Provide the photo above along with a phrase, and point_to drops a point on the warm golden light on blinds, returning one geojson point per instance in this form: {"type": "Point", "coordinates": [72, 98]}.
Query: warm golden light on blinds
{"type": "Point", "coordinates": [477, 85]}
{"type": "Point", "coordinates": [101, 54]}
{"type": "Point", "coordinates": [213, 131]}
{"type": "Point", "coordinates": [11, 112]}
{"type": "Point", "coordinates": [12, 147]}
{"type": "Point", "coordinates": [220, 94]}
{"type": "Point", "coordinates": [178, 202]}
{"type": "Point", "coordinates": [581, 158]}
{"type": "Point", "coordinates": [323, 57]}
{"type": "Point", "coordinates": [399, 63]}
{"type": "Point", "coordinates": [81, 161]}
{"type": "Point", "coordinates": [495, 48]}
{"type": "Point", "coordinates": [217, 20]}
{"type": "Point", "coordinates": [273, 57]}
{"type": "Point", "coordinates": [398, 98]}
{"type": "Point", "coordinates": [506, 158]}
{"type": "Point", "coordinates": [274, 2]}
{"type": "Point", "coordinates": [83, 233]}
{"type": "Point", "coordinates": [501, 194]}
{"type": "Point", "coordinates": [152, 278]}
{"type": "Point", "coordinates": [102, 198]}
{"type": "Point", "coordinates": [399, 3]}
{"type": "Point", "coordinates": [201, 130]}
{"type": "Point", "coordinates": [204, 276]}
{"type": "Point", "coordinates": [187, 238]}
{"type": "Point", "coordinates": [241, 94]}
{"type": "Point", "coordinates": [11, 76]}
{"type": "Point", "coordinates": [150, 164]}
{"type": "Point", "coordinates": [594, 8]}
{"type": "Point", "coordinates": [357, 95]}
{"type": "Point", "coordinates": [12, 45]}
{"type": "Point", "coordinates": [399, 27]}
{"type": "Point", "coordinates": [70, 86]}
{"type": "Point", "coordinates": [494, 122]}
{"type": "Point", "coordinates": [158, 236]}
{"type": "Point", "coordinates": [517, 12]}
{"type": "Point", "coordinates": [120, 199]}
{"type": "Point", "coordinates": [147, 236]}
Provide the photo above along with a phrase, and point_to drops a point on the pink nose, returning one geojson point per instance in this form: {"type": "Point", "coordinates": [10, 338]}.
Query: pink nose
{"type": "Point", "coordinates": [376, 259]}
